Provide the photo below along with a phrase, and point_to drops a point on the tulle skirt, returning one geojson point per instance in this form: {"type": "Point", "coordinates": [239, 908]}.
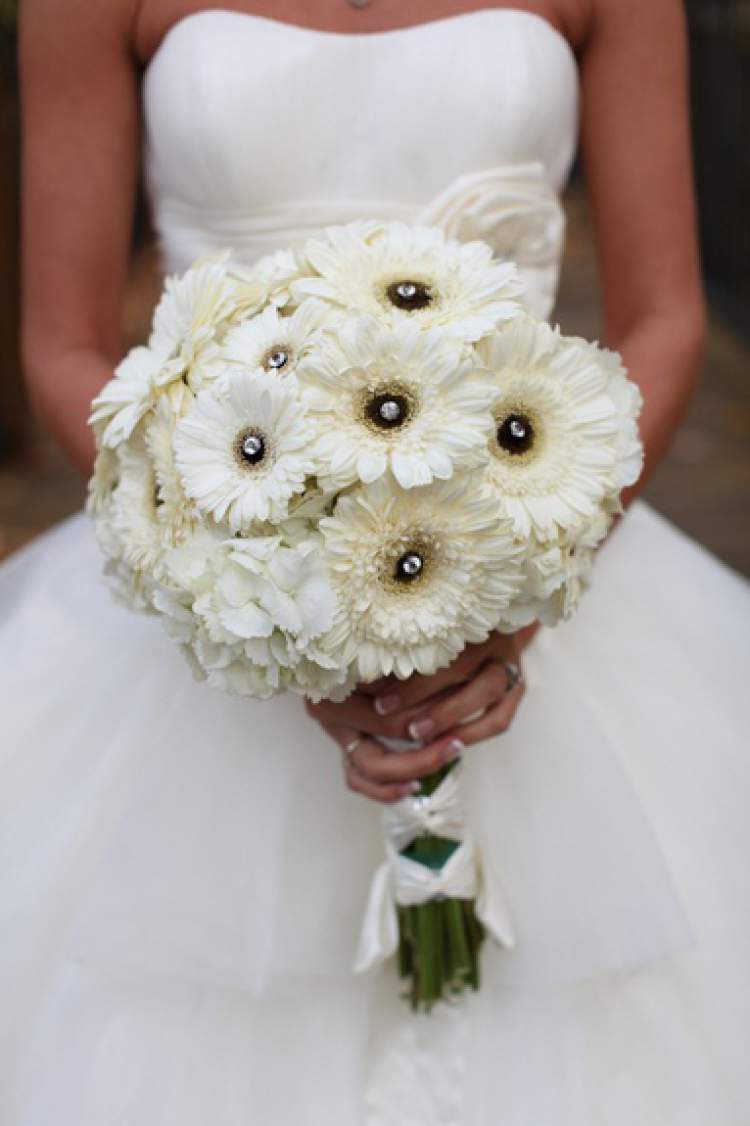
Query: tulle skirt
{"type": "Point", "coordinates": [183, 875]}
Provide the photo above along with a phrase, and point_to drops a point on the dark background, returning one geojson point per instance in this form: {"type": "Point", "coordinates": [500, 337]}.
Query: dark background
{"type": "Point", "coordinates": [703, 484]}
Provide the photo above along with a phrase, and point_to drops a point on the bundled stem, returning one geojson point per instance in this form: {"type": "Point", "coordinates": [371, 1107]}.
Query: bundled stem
{"type": "Point", "coordinates": [439, 941]}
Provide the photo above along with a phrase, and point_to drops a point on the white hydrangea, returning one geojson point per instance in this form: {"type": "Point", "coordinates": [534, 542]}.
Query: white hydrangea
{"type": "Point", "coordinates": [557, 572]}
{"type": "Point", "coordinates": [256, 601]}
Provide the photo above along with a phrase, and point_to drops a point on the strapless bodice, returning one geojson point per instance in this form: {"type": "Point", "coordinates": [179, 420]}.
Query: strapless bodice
{"type": "Point", "coordinates": [260, 132]}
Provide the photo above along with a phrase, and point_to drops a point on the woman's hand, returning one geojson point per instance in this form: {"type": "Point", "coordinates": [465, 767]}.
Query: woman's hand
{"type": "Point", "coordinates": [473, 699]}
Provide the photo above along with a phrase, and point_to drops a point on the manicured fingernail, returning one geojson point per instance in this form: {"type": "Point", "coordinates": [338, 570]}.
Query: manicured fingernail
{"type": "Point", "coordinates": [386, 705]}
{"type": "Point", "coordinates": [453, 750]}
{"type": "Point", "coordinates": [413, 788]}
{"type": "Point", "coordinates": [420, 729]}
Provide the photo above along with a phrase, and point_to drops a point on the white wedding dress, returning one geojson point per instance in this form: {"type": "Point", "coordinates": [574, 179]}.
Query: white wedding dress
{"type": "Point", "coordinates": [183, 875]}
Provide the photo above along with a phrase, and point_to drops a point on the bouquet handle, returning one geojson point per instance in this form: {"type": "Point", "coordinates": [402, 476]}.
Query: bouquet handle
{"type": "Point", "coordinates": [431, 899]}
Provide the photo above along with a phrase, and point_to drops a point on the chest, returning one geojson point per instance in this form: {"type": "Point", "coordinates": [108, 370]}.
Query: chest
{"type": "Point", "coordinates": [155, 17]}
{"type": "Point", "coordinates": [241, 109]}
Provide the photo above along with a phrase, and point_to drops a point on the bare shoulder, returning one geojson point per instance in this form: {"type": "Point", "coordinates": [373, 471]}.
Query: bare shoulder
{"type": "Point", "coordinates": [648, 25]}
{"type": "Point", "coordinates": [71, 28]}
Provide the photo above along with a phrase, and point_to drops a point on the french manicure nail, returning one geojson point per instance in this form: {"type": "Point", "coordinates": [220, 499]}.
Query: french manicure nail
{"type": "Point", "coordinates": [386, 705]}
{"type": "Point", "coordinates": [419, 729]}
{"type": "Point", "coordinates": [453, 750]}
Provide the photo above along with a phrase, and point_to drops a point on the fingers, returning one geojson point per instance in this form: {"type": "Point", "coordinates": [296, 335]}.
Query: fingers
{"type": "Point", "coordinates": [399, 696]}
{"type": "Point", "coordinates": [386, 775]}
{"type": "Point", "coordinates": [362, 713]}
{"type": "Point", "coordinates": [488, 687]}
{"type": "Point", "coordinates": [496, 719]}
{"type": "Point", "coordinates": [377, 791]}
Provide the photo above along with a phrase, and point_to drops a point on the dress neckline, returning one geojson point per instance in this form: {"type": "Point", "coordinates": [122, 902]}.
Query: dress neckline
{"type": "Point", "coordinates": [323, 34]}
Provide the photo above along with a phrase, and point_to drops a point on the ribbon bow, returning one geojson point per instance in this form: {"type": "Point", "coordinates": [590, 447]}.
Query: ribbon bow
{"type": "Point", "coordinates": [404, 881]}
{"type": "Point", "coordinates": [516, 210]}
{"type": "Point", "coordinates": [440, 813]}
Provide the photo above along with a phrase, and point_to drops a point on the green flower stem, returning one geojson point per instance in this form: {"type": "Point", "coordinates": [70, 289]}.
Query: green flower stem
{"type": "Point", "coordinates": [439, 940]}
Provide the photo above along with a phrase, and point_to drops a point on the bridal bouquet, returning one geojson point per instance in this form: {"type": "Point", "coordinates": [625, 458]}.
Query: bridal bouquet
{"type": "Point", "coordinates": [350, 462]}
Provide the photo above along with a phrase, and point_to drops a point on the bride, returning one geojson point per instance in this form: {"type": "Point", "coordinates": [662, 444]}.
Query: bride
{"type": "Point", "coordinates": [183, 875]}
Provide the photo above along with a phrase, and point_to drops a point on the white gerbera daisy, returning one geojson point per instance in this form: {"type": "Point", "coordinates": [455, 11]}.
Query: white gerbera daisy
{"type": "Point", "coordinates": [103, 481]}
{"type": "Point", "coordinates": [134, 510]}
{"type": "Point", "coordinates": [244, 450]}
{"type": "Point", "coordinates": [397, 271]}
{"type": "Point", "coordinates": [275, 273]}
{"type": "Point", "coordinates": [556, 429]}
{"type": "Point", "coordinates": [175, 511]}
{"type": "Point", "coordinates": [418, 574]}
{"type": "Point", "coordinates": [628, 400]}
{"type": "Point", "coordinates": [404, 399]}
{"type": "Point", "coordinates": [122, 403]}
{"type": "Point", "coordinates": [193, 310]}
{"type": "Point", "coordinates": [274, 343]}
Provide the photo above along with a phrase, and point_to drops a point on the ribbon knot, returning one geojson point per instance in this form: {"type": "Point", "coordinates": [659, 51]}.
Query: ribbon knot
{"type": "Point", "coordinates": [404, 881]}
{"type": "Point", "coordinates": [440, 813]}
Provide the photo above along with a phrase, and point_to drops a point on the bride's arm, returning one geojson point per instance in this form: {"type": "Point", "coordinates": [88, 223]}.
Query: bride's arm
{"type": "Point", "coordinates": [635, 138]}
{"type": "Point", "coordinates": [80, 151]}
{"type": "Point", "coordinates": [636, 148]}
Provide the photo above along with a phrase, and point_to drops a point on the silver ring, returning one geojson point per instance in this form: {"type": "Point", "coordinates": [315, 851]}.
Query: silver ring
{"type": "Point", "coordinates": [513, 673]}
{"type": "Point", "coordinates": [352, 745]}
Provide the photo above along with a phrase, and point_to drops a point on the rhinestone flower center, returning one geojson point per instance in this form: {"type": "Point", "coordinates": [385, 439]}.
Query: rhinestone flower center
{"type": "Point", "coordinates": [408, 567]}
{"type": "Point", "coordinates": [250, 448]}
{"type": "Point", "coordinates": [407, 561]}
{"type": "Point", "coordinates": [276, 358]}
{"type": "Point", "coordinates": [388, 410]}
{"type": "Point", "coordinates": [409, 295]}
{"type": "Point", "coordinates": [515, 433]}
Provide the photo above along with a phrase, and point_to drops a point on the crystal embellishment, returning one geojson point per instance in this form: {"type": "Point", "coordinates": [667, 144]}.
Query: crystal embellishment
{"type": "Point", "coordinates": [409, 567]}
{"type": "Point", "coordinates": [409, 295]}
{"type": "Point", "coordinates": [253, 448]}
{"type": "Point", "coordinates": [388, 410]}
{"type": "Point", "coordinates": [515, 434]}
{"type": "Point", "coordinates": [276, 359]}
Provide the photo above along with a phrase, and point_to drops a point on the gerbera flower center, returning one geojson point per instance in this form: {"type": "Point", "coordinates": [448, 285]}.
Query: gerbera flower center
{"type": "Point", "coordinates": [409, 567]}
{"type": "Point", "coordinates": [409, 295]}
{"type": "Point", "coordinates": [276, 358]}
{"type": "Point", "coordinates": [515, 433]}
{"type": "Point", "coordinates": [407, 561]}
{"type": "Point", "coordinates": [250, 448]}
{"type": "Point", "coordinates": [388, 410]}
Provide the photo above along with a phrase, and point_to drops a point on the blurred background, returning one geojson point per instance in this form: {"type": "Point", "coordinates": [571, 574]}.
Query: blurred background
{"type": "Point", "coordinates": [703, 485]}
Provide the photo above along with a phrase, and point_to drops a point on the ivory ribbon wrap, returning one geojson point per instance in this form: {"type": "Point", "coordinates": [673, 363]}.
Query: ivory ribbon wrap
{"type": "Point", "coordinates": [440, 813]}
{"type": "Point", "coordinates": [401, 880]}
{"type": "Point", "coordinates": [406, 882]}
{"type": "Point", "coordinates": [513, 207]}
